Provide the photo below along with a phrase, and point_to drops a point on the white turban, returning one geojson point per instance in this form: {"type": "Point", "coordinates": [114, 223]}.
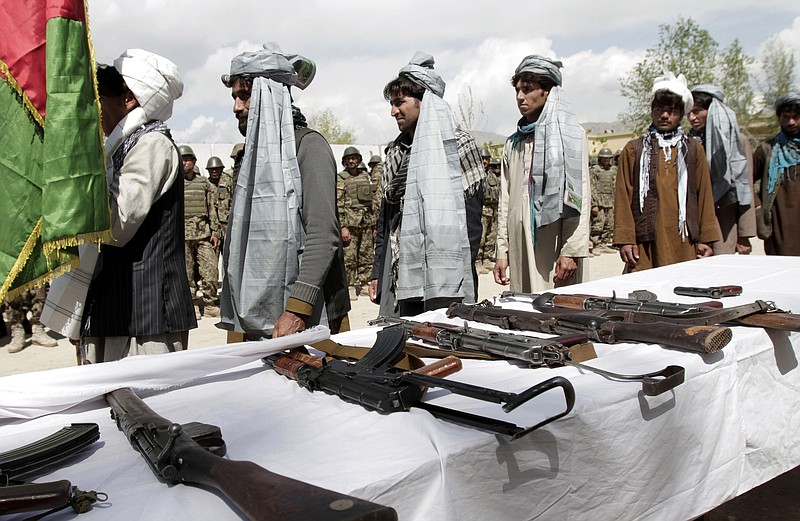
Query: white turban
{"type": "Point", "coordinates": [676, 85]}
{"type": "Point", "coordinates": [154, 80]}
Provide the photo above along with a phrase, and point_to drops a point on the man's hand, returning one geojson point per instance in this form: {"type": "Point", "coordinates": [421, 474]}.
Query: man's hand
{"type": "Point", "coordinates": [500, 272]}
{"type": "Point", "coordinates": [287, 324]}
{"type": "Point", "coordinates": [565, 268]}
{"type": "Point", "coordinates": [595, 211]}
{"type": "Point", "coordinates": [373, 291]}
{"type": "Point", "coordinates": [215, 242]}
{"type": "Point", "coordinates": [345, 235]}
{"type": "Point", "coordinates": [704, 250]}
{"type": "Point", "coordinates": [629, 253]}
{"type": "Point", "coordinates": [743, 246]}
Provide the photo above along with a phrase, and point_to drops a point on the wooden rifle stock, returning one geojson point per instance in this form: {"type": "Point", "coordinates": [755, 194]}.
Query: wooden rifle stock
{"type": "Point", "coordinates": [260, 494]}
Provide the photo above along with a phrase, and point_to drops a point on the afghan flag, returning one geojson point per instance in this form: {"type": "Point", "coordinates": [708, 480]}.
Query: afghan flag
{"type": "Point", "coordinates": [53, 188]}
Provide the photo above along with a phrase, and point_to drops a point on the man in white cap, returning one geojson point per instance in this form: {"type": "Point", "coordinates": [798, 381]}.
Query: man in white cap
{"type": "Point", "coordinates": [730, 164]}
{"type": "Point", "coordinates": [543, 233]}
{"type": "Point", "coordinates": [664, 203]}
{"type": "Point", "coordinates": [776, 166]}
{"type": "Point", "coordinates": [283, 266]}
{"type": "Point", "coordinates": [139, 300]}
{"type": "Point", "coordinates": [429, 225]}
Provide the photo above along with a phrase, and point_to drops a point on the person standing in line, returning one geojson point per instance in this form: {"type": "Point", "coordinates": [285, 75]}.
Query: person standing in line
{"type": "Point", "coordinates": [139, 300]}
{"type": "Point", "coordinates": [730, 163]}
{"type": "Point", "coordinates": [429, 224]}
{"type": "Point", "coordinates": [664, 204]}
{"type": "Point", "coordinates": [543, 234]}
{"type": "Point", "coordinates": [775, 167]}
{"type": "Point", "coordinates": [283, 265]}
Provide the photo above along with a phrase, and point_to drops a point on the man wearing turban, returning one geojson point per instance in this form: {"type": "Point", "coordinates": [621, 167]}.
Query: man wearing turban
{"type": "Point", "coordinates": [544, 210]}
{"type": "Point", "coordinates": [664, 203]}
{"type": "Point", "coordinates": [283, 265]}
{"type": "Point", "coordinates": [776, 165]}
{"type": "Point", "coordinates": [429, 225]}
{"type": "Point", "coordinates": [138, 301]}
{"type": "Point", "coordinates": [730, 163]}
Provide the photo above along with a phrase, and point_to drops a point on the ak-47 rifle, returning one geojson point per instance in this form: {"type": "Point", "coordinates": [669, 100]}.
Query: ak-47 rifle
{"type": "Point", "coordinates": [193, 453]}
{"type": "Point", "coordinates": [537, 352]}
{"type": "Point", "coordinates": [25, 462]}
{"type": "Point", "coordinates": [373, 383]}
{"type": "Point", "coordinates": [609, 327]}
{"type": "Point", "coordinates": [644, 307]}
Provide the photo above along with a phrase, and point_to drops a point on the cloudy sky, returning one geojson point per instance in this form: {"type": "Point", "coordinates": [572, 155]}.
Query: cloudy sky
{"type": "Point", "coordinates": [360, 45]}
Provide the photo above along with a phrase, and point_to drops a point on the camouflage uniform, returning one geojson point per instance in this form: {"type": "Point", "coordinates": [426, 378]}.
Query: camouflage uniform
{"type": "Point", "coordinates": [201, 222]}
{"type": "Point", "coordinates": [355, 200]}
{"type": "Point", "coordinates": [491, 197]}
{"type": "Point", "coordinates": [16, 313]}
{"type": "Point", "coordinates": [603, 190]}
{"type": "Point", "coordinates": [222, 202]}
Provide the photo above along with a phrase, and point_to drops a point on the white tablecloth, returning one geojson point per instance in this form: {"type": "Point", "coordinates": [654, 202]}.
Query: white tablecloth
{"type": "Point", "coordinates": [618, 455]}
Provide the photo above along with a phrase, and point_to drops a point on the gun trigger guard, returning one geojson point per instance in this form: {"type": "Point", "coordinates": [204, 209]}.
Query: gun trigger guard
{"type": "Point", "coordinates": [662, 381]}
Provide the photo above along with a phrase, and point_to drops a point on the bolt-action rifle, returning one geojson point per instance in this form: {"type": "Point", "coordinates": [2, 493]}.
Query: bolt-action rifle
{"type": "Point", "coordinates": [608, 327]}
{"type": "Point", "coordinates": [30, 460]}
{"type": "Point", "coordinates": [374, 383]}
{"type": "Point", "coordinates": [537, 352]}
{"type": "Point", "coordinates": [192, 453]}
{"type": "Point", "coordinates": [644, 307]}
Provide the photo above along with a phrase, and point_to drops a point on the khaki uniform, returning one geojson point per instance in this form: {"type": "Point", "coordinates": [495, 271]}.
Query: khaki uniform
{"type": "Point", "coordinates": [491, 197]}
{"type": "Point", "coordinates": [603, 184]}
{"type": "Point", "coordinates": [200, 223]}
{"type": "Point", "coordinates": [355, 195]}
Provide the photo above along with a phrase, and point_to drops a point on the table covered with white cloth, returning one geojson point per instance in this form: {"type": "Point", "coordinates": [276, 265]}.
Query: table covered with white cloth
{"type": "Point", "coordinates": [619, 454]}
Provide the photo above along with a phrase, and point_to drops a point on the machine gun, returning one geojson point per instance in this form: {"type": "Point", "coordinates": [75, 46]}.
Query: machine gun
{"type": "Point", "coordinates": [193, 453]}
{"type": "Point", "coordinates": [373, 383]}
{"type": "Point", "coordinates": [537, 352]}
{"type": "Point", "coordinates": [25, 462]}
{"type": "Point", "coordinates": [608, 327]}
{"type": "Point", "coordinates": [644, 307]}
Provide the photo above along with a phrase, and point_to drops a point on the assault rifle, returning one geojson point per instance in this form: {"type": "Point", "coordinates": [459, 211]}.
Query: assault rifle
{"type": "Point", "coordinates": [644, 307]}
{"type": "Point", "coordinates": [374, 383]}
{"type": "Point", "coordinates": [608, 327]}
{"type": "Point", "coordinates": [25, 462]}
{"type": "Point", "coordinates": [537, 352]}
{"type": "Point", "coordinates": [192, 453]}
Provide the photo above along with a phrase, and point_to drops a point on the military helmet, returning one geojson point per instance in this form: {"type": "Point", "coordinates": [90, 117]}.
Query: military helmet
{"type": "Point", "coordinates": [362, 166]}
{"type": "Point", "coordinates": [351, 151]}
{"type": "Point", "coordinates": [485, 152]}
{"type": "Point", "coordinates": [605, 152]}
{"type": "Point", "coordinates": [214, 162]}
{"type": "Point", "coordinates": [494, 161]}
{"type": "Point", "coordinates": [374, 159]}
{"type": "Point", "coordinates": [238, 147]}
{"type": "Point", "coordinates": [186, 150]}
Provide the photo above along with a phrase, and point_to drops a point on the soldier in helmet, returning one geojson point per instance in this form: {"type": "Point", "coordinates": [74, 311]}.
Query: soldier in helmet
{"type": "Point", "coordinates": [603, 177]}
{"type": "Point", "coordinates": [202, 234]}
{"type": "Point", "coordinates": [222, 195]}
{"type": "Point", "coordinates": [491, 197]}
{"type": "Point", "coordinates": [355, 201]}
{"type": "Point", "coordinates": [486, 158]}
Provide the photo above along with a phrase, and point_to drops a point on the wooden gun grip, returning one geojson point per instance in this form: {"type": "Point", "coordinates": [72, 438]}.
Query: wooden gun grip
{"type": "Point", "coordinates": [570, 301]}
{"type": "Point", "coordinates": [441, 368]}
{"type": "Point", "coordinates": [32, 497]}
